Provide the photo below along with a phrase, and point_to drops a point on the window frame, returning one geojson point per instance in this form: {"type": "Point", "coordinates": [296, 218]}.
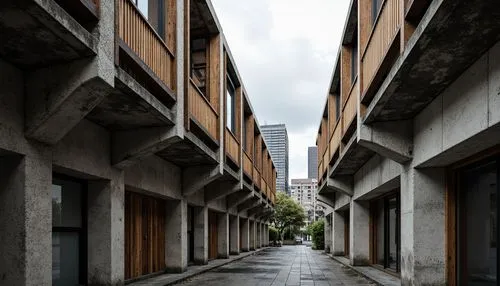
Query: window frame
{"type": "Point", "coordinates": [231, 122]}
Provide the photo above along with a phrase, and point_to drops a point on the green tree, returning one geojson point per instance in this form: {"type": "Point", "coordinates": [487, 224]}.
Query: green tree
{"type": "Point", "coordinates": [318, 234]}
{"type": "Point", "coordinates": [287, 213]}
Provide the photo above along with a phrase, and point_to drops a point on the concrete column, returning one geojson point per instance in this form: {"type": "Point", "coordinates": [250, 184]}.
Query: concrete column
{"type": "Point", "coordinates": [26, 220]}
{"type": "Point", "coordinates": [176, 254]}
{"type": "Point", "coordinates": [328, 234]}
{"type": "Point", "coordinates": [252, 235]}
{"type": "Point", "coordinates": [200, 235]}
{"type": "Point", "coordinates": [105, 231]}
{"type": "Point", "coordinates": [245, 235]}
{"type": "Point", "coordinates": [337, 234]}
{"type": "Point", "coordinates": [423, 257]}
{"type": "Point", "coordinates": [360, 233]}
{"type": "Point", "coordinates": [223, 235]}
{"type": "Point", "coordinates": [257, 234]}
{"type": "Point", "coordinates": [234, 232]}
{"type": "Point", "coordinates": [266, 235]}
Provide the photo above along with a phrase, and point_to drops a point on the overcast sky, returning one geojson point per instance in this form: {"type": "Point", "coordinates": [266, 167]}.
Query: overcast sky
{"type": "Point", "coordinates": [285, 51]}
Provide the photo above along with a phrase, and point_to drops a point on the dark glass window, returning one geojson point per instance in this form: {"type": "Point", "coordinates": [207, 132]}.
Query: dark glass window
{"type": "Point", "coordinates": [354, 60]}
{"type": "Point", "coordinates": [230, 106]}
{"type": "Point", "coordinates": [337, 107]}
{"type": "Point", "coordinates": [199, 64]}
{"type": "Point", "coordinates": [68, 233]}
{"type": "Point", "coordinates": [154, 12]}
{"type": "Point", "coordinates": [376, 5]}
{"type": "Point", "coordinates": [386, 237]}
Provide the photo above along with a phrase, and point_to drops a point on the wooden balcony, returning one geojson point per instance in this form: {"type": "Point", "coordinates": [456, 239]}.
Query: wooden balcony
{"type": "Point", "coordinates": [256, 178]}
{"type": "Point", "coordinates": [144, 54]}
{"type": "Point", "coordinates": [202, 112]}
{"type": "Point", "coordinates": [247, 165]}
{"type": "Point", "coordinates": [335, 140]}
{"type": "Point", "coordinates": [349, 112]}
{"type": "Point", "coordinates": [321, 170]}
{"type": "Point", "coordinates": [232, 148]}
{"type": "Point", "coordinates": [383, 37]}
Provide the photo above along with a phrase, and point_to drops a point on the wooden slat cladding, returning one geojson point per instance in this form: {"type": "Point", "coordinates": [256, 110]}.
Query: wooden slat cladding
{"type": "Point", "coordinates": [350, 109]}
{"type": "Point", "coordinates": [144, 235]}
{"type": "Point", "coordinates": [247, 165]}
{"type": "Point", "coordinates": [258, 152]}
{"type": "Point", "coordinates": [202, 111]}
{"type": "Point", "coordinates": [256, 177]}
{"type": "Point", "coordinates": [232, 147]}
{"type": "Point", "coordinates": [383, 34]}
{"type": "Point", "coordinates": [212, 235]}
{"type": "Point", "coordinates": [335, 140]}
{"type": "Point", "coordinates": [135, 31]}
{"type": "Point", "coordinates": [322, 143]}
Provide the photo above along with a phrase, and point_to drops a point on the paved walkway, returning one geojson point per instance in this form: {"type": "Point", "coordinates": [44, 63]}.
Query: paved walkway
{"type": "Point", "coordinates": [287, 265]}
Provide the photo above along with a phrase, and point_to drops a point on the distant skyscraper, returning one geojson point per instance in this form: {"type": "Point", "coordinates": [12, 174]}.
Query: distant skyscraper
{"type": "Point", "coordinates": [276, 138]}
{"type": "Point", "coordinates": [312, 162]}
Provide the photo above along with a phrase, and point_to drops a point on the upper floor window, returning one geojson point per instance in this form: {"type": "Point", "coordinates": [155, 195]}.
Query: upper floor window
{"type": "Point", "coordinates": [337, 107]}
{"type": "Point", "coordinates": [376, 5]}
{"type": "Point", "coordinates": [354, 60]}
{"type": "Point", "coordinates": [199, 64]}
{"type": "Point", "coordinates": [230, 106]}
{"type": "Point", "coordinates": [154, 11]}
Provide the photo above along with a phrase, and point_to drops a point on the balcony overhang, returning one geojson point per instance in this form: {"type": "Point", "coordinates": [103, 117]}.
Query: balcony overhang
{"type": "Point", "coordinates": [450, 37]}
{"type": "Point", "coordinates": [38, 33]}
{"type": "Point", "coordinates": [189, 152]}
{"type": "Point", "coordinates": [351, 159]}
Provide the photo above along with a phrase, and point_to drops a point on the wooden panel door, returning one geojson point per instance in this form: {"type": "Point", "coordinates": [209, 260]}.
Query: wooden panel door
{"type": "Point", "coordinates": [212, 235]}
{"type": "Point", "coordinates": [144, 235]}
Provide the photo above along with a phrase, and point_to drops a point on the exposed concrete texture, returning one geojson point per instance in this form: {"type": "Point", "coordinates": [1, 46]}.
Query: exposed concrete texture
{"type": "Point", "coordinates": [328, 233]}
{"type": "Point", "coordinates": [200, 235]}
{"type": "Point", "coordinates": [359, 233]}
{"type": "Point", "coordinates": [337, 234]}
{"type": "Point", "coordinates": [234, 235]}
{"type": "Point", "coordinates": [239, 197]}
{"type": "Point", "coordinates": [372, 177]}
{"type": "Point", "coordinates": [196, 178]}
{"type": "Point", "coordinates": [342, 184]}
{"type": "Point", "coordinates": [423, 227]}
{"type": "Point", "coordinates": [464, 119]}
{"type": "Point", "coordinates": [223, 235]}
{"type": "Point", "coordinates": [342, 201]}
{"type": "Point", "coordinates": [105, 231]}
{"type": "Point", "coordinates": [176, 248]}
{"type": "Point", "coordinates": [393, 139]}
{"type": "Point", "coordinates": [245, 235]}
{"type": "Point", "coordinates": [26, 220]}
{"type": "Point", "coordinates": [327, 198]}
{"type": "Point", "coordinates": [220, 189]}
{"type": "Point", "coordinates": [252, 235]}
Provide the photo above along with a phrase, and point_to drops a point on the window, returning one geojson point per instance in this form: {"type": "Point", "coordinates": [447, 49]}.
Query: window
{"type": "Point", "coordinates": [337, 107]}
{"type": "Point", "coordinates": [154, 11]}
{"type": "Point", "coordinates": [354, 59]}
{"type": "Point", "coordinates": [199, 64]}
{"type": "Point", "coordinates": [245, 128]}
{"type": "Point", "coordinates": [68, 233]}
{"type": "Point", "coordinates": [386, 232]}
{"type": "Point", "coordinates": [376, 5]}
{"type": "Point", "coordinates": [230, 106]}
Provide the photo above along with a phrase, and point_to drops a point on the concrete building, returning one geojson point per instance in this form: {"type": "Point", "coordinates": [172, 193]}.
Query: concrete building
{"type": "Point", "coordinates": [128, 145]}
{"type": "Point", "coordinates": [312, 162]}
{"type": "Point", "coordinates": [276, 138]}
{"type": "Point", "coordinates": [304, 192]}
{"type": "Point", "coordinates": [408, 141]}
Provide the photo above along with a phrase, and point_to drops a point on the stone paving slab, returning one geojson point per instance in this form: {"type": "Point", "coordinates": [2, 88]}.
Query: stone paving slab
{"type": "Point", "coordinates": [287, 265]}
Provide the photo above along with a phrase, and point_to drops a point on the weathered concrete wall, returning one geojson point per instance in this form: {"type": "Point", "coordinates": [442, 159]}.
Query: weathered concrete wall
{"type": "Point", "coordinates": [369, 181]}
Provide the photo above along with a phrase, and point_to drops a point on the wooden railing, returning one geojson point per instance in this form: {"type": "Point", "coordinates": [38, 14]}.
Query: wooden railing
{"type": "Point", "coordinates": [256, 177]}
{"type": "Point", "coordinates": [350, 108]}
{"type": "Point", "coordinates": [247, 164]}
{"type": "Point", "coordinates": [326, 157]}
{"type": "Point", "coordinates": [381, 38]}
{"type": "Point", "coordinates": [202, 111]}
{"type": "Point", "coordinates": [136, 32]}
{"type": "Point", "coordinates": [335, 140]}
{"type": "Point", "coordinates": [232, 147]}
{"type": "Point", "coordinates": [321, 170]}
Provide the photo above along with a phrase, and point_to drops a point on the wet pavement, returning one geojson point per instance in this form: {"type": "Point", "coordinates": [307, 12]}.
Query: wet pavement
{"type": "Point", "coordinates": [287, 265]}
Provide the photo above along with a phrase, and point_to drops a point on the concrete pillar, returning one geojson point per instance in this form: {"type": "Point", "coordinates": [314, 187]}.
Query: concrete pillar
{"type": "Point", "coordinates": [234, 232]}
{"type": "Point", "coordinates": [423, 257]}
{"type": "Point", "coordinates": [176, 248]}
{"type": "Point", "coordinates": [200, 235]}
{"type": "Point", "coordinates": [245, 235]}
{"type": "Point", "coordinates": [223, 235]}
{"type": "Point", "coordinates": [252, 235]}
{"type": "Point", "coordinates": [328, 234]}
{"type": "Point", "coordinates": [26, 220]}
{"type": "Point", "coordinates": [266, 235]}
{"type": "Point", "coordinates": [257, 234]}
{"type": "Point", "coordinates": [106, 231]}
{"type": "Point", "coordinates": [360, 233]}
{"type": "Point", "coordinates": [338, 230]}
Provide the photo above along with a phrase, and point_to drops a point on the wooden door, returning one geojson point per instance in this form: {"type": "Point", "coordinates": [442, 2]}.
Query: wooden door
{"type": "Point", "coordinates": [212, 235]}
{"type": "Point", "coordinates": [144, 235]}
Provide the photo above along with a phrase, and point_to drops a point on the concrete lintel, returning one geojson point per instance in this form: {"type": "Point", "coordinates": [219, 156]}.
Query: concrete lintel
{"type": "Point", "coordinates": [59, 97]}
{"type": "Point", "coordinates": [251, 203]}
{"type": "Point", "coordinates": [328, 199]}
{"type": "Point", "coordinates": [196, 178]}
{"type": "Point", "coordinates": [391, 139]}
{"type": "Point", "coordinates": [220, 189]}
{"type": "Point", "coordinates": [255, 210]}
{"type": "Point", "coordinates": [343, 184]}
{"type": "Point", "coordinates": [130, 146]}
{"type": "Point", "coordinates": [237, 198]}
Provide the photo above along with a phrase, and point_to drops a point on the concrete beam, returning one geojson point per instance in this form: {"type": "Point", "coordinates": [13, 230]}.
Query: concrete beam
{"type": "Point", "coordinates": [59, 97]}
{"type": "Point", "coordinates": [391, 139]}
{"type": "Point", "coordinates": [220, 189]}
{"type": "Point", "coordinates": [343, 184]}
{"type": "Point", "coordinates": [255, 210]}
{"type": "Point", "coordinates": [195, 179]}
{"type": "Point", "coordinates": [251, 203]}
{"type": "Point", "coordinates": [130, 146]}
{"type": "Point", "coordinates": [328, 199]}
{"type": "Point", "coordinates": [238, 198]}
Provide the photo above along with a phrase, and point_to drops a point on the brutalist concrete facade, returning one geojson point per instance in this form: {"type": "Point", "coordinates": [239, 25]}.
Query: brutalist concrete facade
{"type": "Point", "coordinates": [408, 142]}
{"type": "Point", "coordinates": [63, 111]}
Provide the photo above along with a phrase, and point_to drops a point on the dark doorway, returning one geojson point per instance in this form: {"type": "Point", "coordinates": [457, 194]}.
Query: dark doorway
{"type": "Point", "coordinates": [346, 233]}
